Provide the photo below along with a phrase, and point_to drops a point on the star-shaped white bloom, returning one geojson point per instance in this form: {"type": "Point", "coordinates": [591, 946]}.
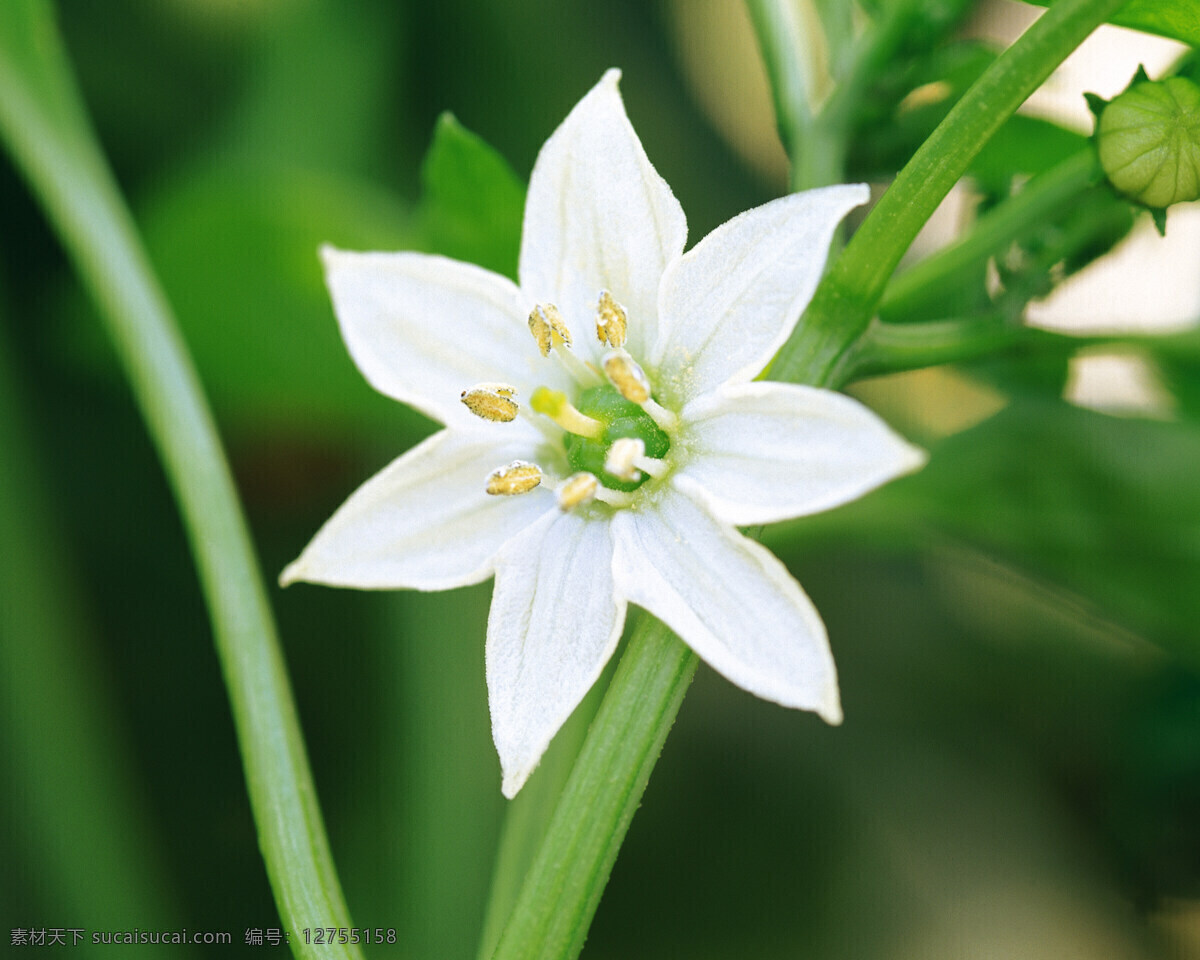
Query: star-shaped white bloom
{"type": "Point", "coordinates": [603, 432]}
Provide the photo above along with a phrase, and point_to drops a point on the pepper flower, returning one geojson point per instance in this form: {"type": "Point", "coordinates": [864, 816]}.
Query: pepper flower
{"type": "Point", "coordinates": [604, 434]}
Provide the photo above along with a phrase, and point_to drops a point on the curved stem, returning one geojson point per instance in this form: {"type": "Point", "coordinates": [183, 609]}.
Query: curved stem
{"type": "Point", "coordinates": [44, 126]}
{"type": "Point", "coordinates": [851, 290]}
{"type": "Point", "coordinates": [563, 887]}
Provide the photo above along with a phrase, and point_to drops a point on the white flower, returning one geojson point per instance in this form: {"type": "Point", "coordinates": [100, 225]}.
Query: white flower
{"type": "Point", "coordinates": [578, 500]}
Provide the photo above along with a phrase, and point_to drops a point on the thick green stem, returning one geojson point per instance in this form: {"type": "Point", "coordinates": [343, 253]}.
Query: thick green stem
{"type": "Point", "coordinates": [851, 290]}
{"type": "Point", "coordinates": [45, 128]}
{"type": "Point", "coordinates": [563, 887]}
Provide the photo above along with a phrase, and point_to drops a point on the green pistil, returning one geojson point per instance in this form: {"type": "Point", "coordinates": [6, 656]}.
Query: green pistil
{"type": "Point", "coordinates": [621, 418]}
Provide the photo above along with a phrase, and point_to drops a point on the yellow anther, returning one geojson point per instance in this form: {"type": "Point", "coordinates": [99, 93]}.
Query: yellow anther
{"type": "Point", "coordinates": [622, 456]}
{"type": "Point", "coordinates": [519, 476]}
{"type": "Point", "coordinates": [611, 322]}
{"type": "Point", "coordinates": [548, 328]}
{"type": "Point", "coordinates": [555, 405]}
{"type": "Point", "coordinates": [491, 401]}
{"type": "Point", "coordinates": [579, 489]}
{"type": "Point", "coordinates": [624, 373]}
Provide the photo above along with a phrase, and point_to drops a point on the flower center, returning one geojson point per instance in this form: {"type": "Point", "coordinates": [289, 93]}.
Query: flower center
{"type": "Point", "coordinates": [623, 420]}
{"type": "Point", "coordinates": [616, 434]}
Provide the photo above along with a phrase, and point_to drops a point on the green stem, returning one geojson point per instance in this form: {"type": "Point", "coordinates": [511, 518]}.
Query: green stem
{"type": "Point", "coordinates": [526, 819]}
{"type": "Point", "coordinates": [1026, 210]}
{"type": "Point", "coordinates": [786, 44]}
{"type": "Point", "coordinates": [563, 887]}
{"type": "Point", "coordinates": [894, 347]}
{"type": "Point", "coordinates": [45, 127]}
{"type": "Point", "coordinates": [851, 290]}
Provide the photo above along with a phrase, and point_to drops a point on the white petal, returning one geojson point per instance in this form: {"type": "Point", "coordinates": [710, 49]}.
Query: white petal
{"type": "Point", "coordinates": [731, 301]}
{"type": "Point", "coordinates": [765, 451]}
{"type": "Point", "coordinates": [554, 624]}
{"type": "Point", "coordinates": [729, 599]}
{"type": "Point", "coordinates": [598, 216]}
{"type": "Point", "coordinates": [424, 521]}
{"type": "Point", "coordinates": [424, 328]}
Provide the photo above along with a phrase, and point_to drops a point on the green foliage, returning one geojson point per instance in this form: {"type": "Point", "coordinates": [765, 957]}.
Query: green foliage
{"type": "Point", "coordinates": [471, 201]}
{"type": "Point", "coordinates": [237, 250]}
{"type": "Point", "coordinates": [1176, 19]}
{"type": "Point", "coordinates": [1103, 506]}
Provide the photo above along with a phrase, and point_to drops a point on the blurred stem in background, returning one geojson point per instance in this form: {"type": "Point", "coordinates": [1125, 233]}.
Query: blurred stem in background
{"type": "Point", "coordinates": [564, 886]}
{"type": "Point", "coordinates": [82, 827]}
{"type": "Point", "coordinates": [46, 130]}
{"type": "Point", "coordinates": [1044, 195]}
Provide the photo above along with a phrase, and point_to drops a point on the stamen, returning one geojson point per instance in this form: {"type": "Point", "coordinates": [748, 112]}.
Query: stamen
{"type": "Point", "coordinates": [556, 406]}
{"type": "Point", "coordinates": [492, 401]}
{"type": "Point", "coordinates": [665, 419]}
{"type": "Point", "coordinates": [611, 321]}
{"type": "Point", "coordinates": [548, 327]}
{"type": "Point", "coordinates": [614, 498]}
{"type": "Point", "coordinates": [622, 458]}
{"type": "Point", "coordinates": [551, 333]}
{"type": "Point", "coordinates": [579, 489]}
{"type": "Point", "coordinates": [629, 378]}
{"type": "Point", "coordinates": [652, 466]}
{"type": "Point", "coordinates": [520, 476]}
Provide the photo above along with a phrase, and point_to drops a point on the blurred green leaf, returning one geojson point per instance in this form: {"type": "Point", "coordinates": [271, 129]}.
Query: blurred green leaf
{"type": "Point", "coordinates": [1105, 507]}
{"type": "Point", "coordinates": [472, 203]}
{"type": "Point", "coordinates": [1178, 19]}
{"type": "Point", "coordinates": [238, 252]}
{"type": "Point", "coordinates": [320, 93]}
{"type": "Point", "coordinates": [1024, 145]}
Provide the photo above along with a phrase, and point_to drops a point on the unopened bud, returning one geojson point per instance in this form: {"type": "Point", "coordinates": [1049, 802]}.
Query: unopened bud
{"type": "Point", "coordinates": [1148, 139]}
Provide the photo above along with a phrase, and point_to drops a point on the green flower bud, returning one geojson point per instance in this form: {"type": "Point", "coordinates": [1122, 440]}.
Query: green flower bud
{"type": "Point", "coordinates": [1149, 141]}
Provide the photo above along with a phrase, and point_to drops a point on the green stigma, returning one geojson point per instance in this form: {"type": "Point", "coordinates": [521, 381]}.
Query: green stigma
{"type": "Point", "coordinates": [621, 418]}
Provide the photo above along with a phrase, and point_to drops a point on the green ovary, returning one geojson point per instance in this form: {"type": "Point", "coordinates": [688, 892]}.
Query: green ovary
{"type": "Point", "coordinates": [621, 418]}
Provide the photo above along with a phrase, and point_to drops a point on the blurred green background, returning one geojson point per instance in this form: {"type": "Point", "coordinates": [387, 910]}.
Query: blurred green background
{"type": "Point", "coordinates": [1015, 627]}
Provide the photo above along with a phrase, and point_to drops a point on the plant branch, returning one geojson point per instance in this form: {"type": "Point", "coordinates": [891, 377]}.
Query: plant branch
{"type": "Point", "coordinates": [851, 290]}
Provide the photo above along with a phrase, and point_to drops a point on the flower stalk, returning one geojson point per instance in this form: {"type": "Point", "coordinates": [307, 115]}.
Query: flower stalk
{"type": "Point", "coordinates": [563, 887]}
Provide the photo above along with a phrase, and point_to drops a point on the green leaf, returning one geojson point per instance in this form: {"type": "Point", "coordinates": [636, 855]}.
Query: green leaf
{"type": "Point", "coordinates": [1104, 507]}
{"type": "Point", "coordinates": [472, 203]}
{"type": "Point", "coordinates": [1177, 19]}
